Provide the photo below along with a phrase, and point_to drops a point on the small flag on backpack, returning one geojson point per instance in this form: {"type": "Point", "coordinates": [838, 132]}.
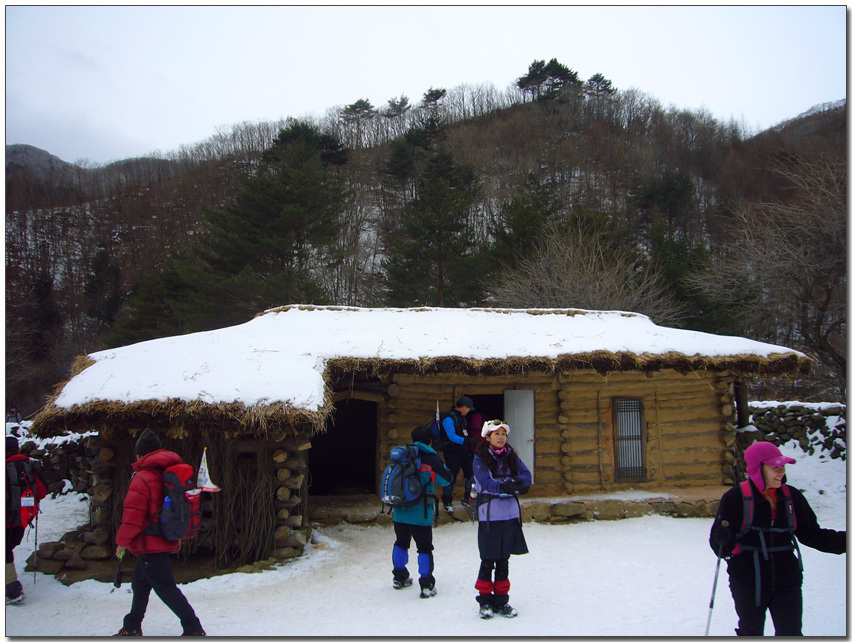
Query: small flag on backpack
{"type": "Point", "coordinates": [204, 482]}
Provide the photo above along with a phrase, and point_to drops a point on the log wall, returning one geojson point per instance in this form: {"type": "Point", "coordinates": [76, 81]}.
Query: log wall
{"type": "Point", "coordinates": [688, 420]}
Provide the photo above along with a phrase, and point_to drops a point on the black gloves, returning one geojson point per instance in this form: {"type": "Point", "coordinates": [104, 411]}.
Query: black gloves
{"type": "Point", "coordinates": [514, 486]}
{"type": "Point", "coordinates": [722, 539]}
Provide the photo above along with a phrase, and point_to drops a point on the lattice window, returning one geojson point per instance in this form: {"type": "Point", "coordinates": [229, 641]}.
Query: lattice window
{"type": "Point", "coordinates": [629, 440]}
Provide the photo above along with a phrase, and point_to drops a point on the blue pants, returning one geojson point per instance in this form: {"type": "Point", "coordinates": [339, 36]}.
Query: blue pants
{"type": "Point", "coordinates": [154, 571]}
{"type": "Point", "coordinates": [425, 562]}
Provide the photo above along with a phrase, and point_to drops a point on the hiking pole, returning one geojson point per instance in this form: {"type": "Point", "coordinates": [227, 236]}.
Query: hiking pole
{"type": "Point", "coordinates": [35, 559]}
{"type": "Point", "coordinates": [713, 595]}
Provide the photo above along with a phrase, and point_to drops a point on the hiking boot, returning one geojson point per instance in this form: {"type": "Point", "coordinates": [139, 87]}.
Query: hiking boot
{"type": "Point", "coordinates": [15, 593]}
{"type": "Point", "coordinates": [486, 612]}
{"type": "Point", "coordinates": [401, 584]}
{"type": "Point", "coordinates": [465, 502]}
{"type": "Point", "coordinates": [448, 507]}
{"type": "Point", "coordinates": [506, 611]}
{"type": "Point", "coordinates": [122, 631]}
{"type": "Point", "coordinates": [427, 591]}
{"type": "Point", "coordinates": [198, 632]}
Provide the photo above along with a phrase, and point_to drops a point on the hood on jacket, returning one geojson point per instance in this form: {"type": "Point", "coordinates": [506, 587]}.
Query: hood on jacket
{"type": "Point", "coordinates": [158, 459]}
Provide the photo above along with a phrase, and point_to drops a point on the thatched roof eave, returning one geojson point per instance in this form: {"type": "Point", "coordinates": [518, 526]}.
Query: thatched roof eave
{"type": "Point", "coordinates": [235, 417]}
{"type": "Point", "coordinates": [603, 362]}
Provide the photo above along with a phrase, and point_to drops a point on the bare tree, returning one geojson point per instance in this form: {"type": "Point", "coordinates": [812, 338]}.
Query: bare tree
{"type": "Point", "coordinates": [575, 270]}
{"type": "Point", "coordinates": [784, 277]}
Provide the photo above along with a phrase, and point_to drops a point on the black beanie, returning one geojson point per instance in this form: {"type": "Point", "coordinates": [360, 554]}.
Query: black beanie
{"type": "Point", "coordinates": [148, 442]}
{"type": "Point", "coordinates": [11, 445]}
{"type": "Point", "coordinates": [423, 434]}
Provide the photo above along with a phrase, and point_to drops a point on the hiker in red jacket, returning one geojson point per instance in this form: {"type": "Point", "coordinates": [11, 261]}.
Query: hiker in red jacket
{"type": "Point", "coordinates": [756, 528]}
{"type": "Point", "coordinates": [20, 476]}
{"type": "Point", "coordinates": [153, 568]}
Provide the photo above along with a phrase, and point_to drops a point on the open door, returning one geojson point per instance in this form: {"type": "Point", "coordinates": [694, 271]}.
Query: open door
{"type": "Point", "coordinates": [519, 411]}
{"type": "Point", "coordinates": [342, 460]}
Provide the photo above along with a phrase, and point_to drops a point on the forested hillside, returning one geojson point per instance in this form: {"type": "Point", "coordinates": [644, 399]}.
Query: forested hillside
{"type": "Point", "coordinates": [558, 192]}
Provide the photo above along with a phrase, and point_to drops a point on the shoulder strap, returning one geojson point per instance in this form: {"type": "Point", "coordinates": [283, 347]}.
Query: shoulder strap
{"type": "Point", "coordinates": [748, 507]}
{"type": "Point", "coordinates": [791, 513]}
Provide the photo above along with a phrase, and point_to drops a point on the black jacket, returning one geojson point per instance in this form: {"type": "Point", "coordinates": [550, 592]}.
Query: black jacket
{"type": "Point", "coordinates": [782, 569]}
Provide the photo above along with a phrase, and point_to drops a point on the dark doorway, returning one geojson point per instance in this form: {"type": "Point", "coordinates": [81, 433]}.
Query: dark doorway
{"type": "Point", "coordinates": [342, 460]}
{"type": "Point", "coordinates": [491, 406]}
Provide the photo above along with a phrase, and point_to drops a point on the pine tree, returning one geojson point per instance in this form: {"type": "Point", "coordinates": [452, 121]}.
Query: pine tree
{"type": "Point", "coordinates": [261, 251]}
{"type": "Point", "coordinates": [433, 259]}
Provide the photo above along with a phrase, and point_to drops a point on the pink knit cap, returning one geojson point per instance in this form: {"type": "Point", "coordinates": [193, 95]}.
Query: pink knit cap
{"type": "Point", "coordinates": [763, 452]}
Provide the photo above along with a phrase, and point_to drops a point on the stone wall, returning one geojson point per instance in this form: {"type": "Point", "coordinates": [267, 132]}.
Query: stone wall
{"type": "Point", "coordinates": [814, 426]}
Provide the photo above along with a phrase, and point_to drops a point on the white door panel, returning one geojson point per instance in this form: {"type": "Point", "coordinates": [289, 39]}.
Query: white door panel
{"type": "Point", "coordinates": [519, 410]}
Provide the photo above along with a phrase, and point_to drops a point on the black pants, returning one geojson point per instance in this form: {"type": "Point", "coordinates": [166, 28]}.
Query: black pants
{"type": "Point", "coordinates": [458, 458]}
{"type": "Point", "coordinates": [14, 536]}
{"type": "Point", "coordinates": [154, 571]}
{"type": "Point", "coordinates": [785, 607]}
{"type": "Point", "coordinates": [494, 592]}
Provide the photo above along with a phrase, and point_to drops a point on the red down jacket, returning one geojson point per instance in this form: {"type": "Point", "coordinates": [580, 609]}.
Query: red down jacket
{"type": "Point", "coordinates": [144, 498]}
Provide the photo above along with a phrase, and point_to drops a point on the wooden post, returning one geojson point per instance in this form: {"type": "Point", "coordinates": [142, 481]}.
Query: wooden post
{"type": "Point", "coordinates": [659, 439]}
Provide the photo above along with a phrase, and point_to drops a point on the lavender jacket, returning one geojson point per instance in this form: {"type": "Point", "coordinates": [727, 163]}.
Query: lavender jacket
{"type": "Point", "coordinates": [500, 507]}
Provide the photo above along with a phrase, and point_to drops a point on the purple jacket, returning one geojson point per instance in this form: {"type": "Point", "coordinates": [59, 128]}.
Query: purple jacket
{"type": "Point", "coordinates": [497, 507]}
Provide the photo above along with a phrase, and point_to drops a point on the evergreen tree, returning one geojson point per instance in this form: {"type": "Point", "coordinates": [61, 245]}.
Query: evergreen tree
{"type": "Point", "coordinates": [547, 81]}
{"type": "Point", "coordinates": [522, 219]}
{"type": "Point", "coordinates": [260, 251]}
{"type": "Point", "coordinates": [432, 259]}
{"type": "Point", "coordinates": [103, 290]}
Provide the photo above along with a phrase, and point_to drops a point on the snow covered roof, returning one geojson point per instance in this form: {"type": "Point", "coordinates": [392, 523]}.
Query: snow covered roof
{"type": "Point", "coordinates": [283, 357]}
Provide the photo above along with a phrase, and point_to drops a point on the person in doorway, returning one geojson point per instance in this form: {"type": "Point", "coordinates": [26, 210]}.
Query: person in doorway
{"type": "Point", "coordinates": [475, 420]}
{"type": "Point", "coordinates": [499, 477]}
{"type": "Point", "coordinates": [457, 454]}
{"type": "Point", "coordinates": [416, 521]}
{"type": "Point", "coordinates": [153, 568]}
{"type": "Point", "coordinates": [756, 528]}
{"type": "Point", "coordinates": [13, 416]}
{"type": "Point", "coordinates": [22, 480]}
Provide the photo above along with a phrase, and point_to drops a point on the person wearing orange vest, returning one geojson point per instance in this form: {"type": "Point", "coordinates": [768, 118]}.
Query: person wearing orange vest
{"type": "Point", "coordinates": [756, 529]}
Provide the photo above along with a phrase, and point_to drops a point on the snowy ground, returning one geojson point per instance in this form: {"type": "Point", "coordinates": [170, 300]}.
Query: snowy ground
{"type": "Point", "coordinates": [648, 576]}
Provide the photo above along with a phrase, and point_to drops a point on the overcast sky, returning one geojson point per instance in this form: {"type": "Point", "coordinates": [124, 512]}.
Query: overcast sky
{"type": "Point", "coordinates": [107, 83]}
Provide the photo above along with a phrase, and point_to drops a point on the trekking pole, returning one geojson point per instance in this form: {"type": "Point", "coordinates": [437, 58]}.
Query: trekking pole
{"type": "Point", "coordinates": [35, 558]}
{"type": "Point", "coordinates": [713, 594]}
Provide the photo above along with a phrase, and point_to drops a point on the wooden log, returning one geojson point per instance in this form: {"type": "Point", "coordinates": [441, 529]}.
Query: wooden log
{"type": "Point", "coordinates": [282, 514]}
{"type": "Point", "coordinates": [297, 465]}
{"type": "Point", "coordinates": [297, 539]}
{"type": "Point", "coordinates": [393, 433]}
{"type": "Point", "coordinates": [283, 493]}
{"type": "Point", "coordinates": [283, 474]}
{"type": "Point", "coordinates": [294, 521]}
{"type": "Point", "coordinates": [101, 493]}
{"type": "Point", "coordinates": [281, 534]}
{"type": "Point", "coordinates": [280, 456]}
{"type": "Point", "coordinates": [106, 454]}
{"type": "Point", "coordinates": [295, 481]}
{"type": "Point", "coordinates": [393, 389]}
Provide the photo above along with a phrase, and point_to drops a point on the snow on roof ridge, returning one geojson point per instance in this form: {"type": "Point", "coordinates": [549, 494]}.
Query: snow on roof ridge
{"type": "Point", "coordinates": [310, 307]}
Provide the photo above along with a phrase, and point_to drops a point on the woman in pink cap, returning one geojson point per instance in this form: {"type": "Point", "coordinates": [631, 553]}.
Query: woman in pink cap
{"type": "Point", "coordinates": [756, 530]}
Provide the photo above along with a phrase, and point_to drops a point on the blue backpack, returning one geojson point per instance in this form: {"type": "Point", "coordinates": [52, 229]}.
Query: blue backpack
{"type": "Point", "coordinates": [401, 482]}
